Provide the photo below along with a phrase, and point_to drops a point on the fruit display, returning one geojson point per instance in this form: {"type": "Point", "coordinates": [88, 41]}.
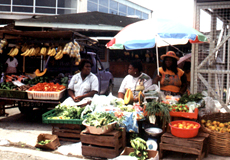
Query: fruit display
{"type": "Point", "coordinates": [221, 127]}
{"type": "Point", "coordinates": [185, 125]}
{"type": "Point", "coordinates": [47, 87]}
{"type": "Point", "coordinates": [128, 98]}
{"type": "Point", "coordinates": [140, 148]}
{"type": "Point", "coordinates": [3, 43]}
{"type": "Point", "coordinates": [190, 98]}
{"type": "Point", "coordinates": [179, 108]}
{"type": "Point", "coordinates": [39, 74]}
{"type": "Point", "coordinates": [14, 51]}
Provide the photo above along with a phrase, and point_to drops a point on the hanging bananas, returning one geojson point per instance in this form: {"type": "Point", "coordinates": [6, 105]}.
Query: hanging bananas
{"type": "Point", "coordinates": [13, 52]}
{"type": "Point", "coordinates": [43, 51]}
{"type": "Point", "coordinates": [59, 55]}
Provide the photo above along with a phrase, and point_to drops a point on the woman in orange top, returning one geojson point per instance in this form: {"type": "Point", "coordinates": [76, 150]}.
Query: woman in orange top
{"type": "Point", "coordinates": [172, 79]}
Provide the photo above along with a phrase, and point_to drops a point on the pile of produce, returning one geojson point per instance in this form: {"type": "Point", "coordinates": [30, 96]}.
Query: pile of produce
{"type": "Point", "coordinates": [61, 79]}
{"type": "Point", "coordinates": [140, 147]}
{"type": "Point", "coordinates": [184, 125]}
{"type": "Point", "coordinates": [190, 98]}
{"type": "Point", "coordinates": [10, 78]}
{"type": "Point", "coordinates": [67, 112]}
{"type": "Point", "coordinates": [44, 142]}
{"type": "Point", "coordinates": [47, 87]}
{"type": "Point", "coordinates": [221, 127]}
{"type": "Point", "coordinates": [179, 108]}
{"type": "Point", "coordinates": [11, 86]}
{"type": "Point", "coordinates": [100, 119]}
{"type": "Point", "coordinates": [158, 109]}
{"type": "Point", "coordinates": [35, 80]}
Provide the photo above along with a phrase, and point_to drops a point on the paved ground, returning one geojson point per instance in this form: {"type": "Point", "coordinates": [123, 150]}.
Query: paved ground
{"type": "Point", "coordinates": [18, 135]}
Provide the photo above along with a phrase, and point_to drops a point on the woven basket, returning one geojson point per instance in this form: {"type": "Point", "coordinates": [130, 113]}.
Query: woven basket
{"type": "Point", "coordinates": [219, 143]}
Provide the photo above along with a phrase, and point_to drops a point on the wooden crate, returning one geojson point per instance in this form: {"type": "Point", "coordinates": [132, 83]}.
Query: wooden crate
{"type": "Point", "coordinates": [67, 132]}
{"type": "Point", "coordinates": [108, 145]}
{"type": "Point", "coordinates": [197, 145]}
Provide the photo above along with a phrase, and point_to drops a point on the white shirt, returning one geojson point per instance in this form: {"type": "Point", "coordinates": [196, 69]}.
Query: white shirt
{"type": "Point", "coordinates": [12, 63]}
{"type": "Point", "coordinates": [130, 82]}
{"type": "Point", "coordinates": [81, 87]}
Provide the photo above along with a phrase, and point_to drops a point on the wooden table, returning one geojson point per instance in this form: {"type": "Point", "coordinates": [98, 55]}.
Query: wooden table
{"type": "Point", "coordinates": [197, 145]}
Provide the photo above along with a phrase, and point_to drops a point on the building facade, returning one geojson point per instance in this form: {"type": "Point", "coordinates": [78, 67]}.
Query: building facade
{"type": "Point", "coordinates": [20, 9]}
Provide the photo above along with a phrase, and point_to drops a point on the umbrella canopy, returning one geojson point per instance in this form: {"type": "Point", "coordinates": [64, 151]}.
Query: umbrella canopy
{"type": "Point", "coordinates": [182, 60]}
{"type": "Point", "coordinates": [151, 32]}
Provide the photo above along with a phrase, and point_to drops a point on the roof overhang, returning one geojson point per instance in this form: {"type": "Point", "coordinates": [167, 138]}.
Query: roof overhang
{"type": "Point", "coordinates": [99, 27]}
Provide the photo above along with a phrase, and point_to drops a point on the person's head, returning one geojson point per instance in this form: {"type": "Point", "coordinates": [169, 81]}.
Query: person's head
{"type": "Point", "coordinates": [170, 61]}
{"type": "Point", "coordinates": [85, 66]}
{"type": "Point", "coordinates": [135, 68]}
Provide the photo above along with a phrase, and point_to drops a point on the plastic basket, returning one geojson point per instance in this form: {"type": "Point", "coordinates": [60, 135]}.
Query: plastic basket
{"type": "Point", "coordinates": [52, 113]}
{"type": "Point", "coordinates": [185, 114]}
{"type": "Point", "coordinates": [184, 133]}
{"type": "Point", "coordinates": [13, 94]}
{"type": "Point", "coordinates": [45, 95]}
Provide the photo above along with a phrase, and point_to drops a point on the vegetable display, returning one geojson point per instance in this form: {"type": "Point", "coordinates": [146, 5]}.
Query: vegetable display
{"type": "Point", "coordinates": [128, 98]}
{"type": "Point", "coordinates": [67, 112]}
{"type": "Point", "coordinates": [140, 147]}
{"type": "Point", "coordinates": [47, 87]}
{"type": "Point", "coordinates": [44, 142]}
{"type": "Point", "coordinates": [189, 98]}
{"type": "Point", "coordinates": [100, 119]}
{"type": "Point", "coordinates": [157, 108]}
{"type": "Point", "coordinates": [179, 108]}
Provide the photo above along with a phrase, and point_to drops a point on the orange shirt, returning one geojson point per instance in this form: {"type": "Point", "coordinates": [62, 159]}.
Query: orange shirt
{"type": "Point", "coordinates": [170, 81]}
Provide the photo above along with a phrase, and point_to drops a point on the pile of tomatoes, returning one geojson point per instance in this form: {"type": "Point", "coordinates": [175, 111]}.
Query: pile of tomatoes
{"type": "Point", "coordinates": [47, 87]}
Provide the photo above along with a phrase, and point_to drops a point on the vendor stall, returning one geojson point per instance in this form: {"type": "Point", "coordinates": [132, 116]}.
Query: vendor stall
{"type": "Point", "coordinates": [33, 50]}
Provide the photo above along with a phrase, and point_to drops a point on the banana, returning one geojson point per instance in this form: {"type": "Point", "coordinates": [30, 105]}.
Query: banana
{"type": "Point", "coordinates": [24, 54]}
{"type": "Point", "coordinates": [12, 49]}
{"type": "Point", "coordinates": [59, 55]}
{"type": "Point", "coordinates": [37, 51]}
{"type": "Point", "coordinates": [16, 50]}
{"type": "Point", "coordinates": [43, 51]}
{"type": "Point", "coordinates": [32, 52]}
{"type": "Point", "coordinates": [49, 51]}
{"type": "Point", "coordinates": [53, 53]}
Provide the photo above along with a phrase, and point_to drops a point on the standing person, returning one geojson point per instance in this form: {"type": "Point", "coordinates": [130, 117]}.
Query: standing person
{"type": "Point", "coordinates": [12, 64]}
{"type": "Point", "coordinates": [172, 79]}
{"type": "Point", "coordinates": [83, 84]}
{"type": "Point", "coordinates": [187, 71]}
{"type": "Point", "coordinates": [136, 80]}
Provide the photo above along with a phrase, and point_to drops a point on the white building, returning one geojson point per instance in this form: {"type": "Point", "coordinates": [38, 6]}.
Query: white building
{"type": "Point", "coordinates": [20, 9]}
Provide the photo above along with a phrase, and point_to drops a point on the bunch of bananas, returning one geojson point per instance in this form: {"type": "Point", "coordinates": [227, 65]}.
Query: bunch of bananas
{"type": "Point", "coordinates": [43, 51]}
{"type": "Point", "coordinates": [59, 54]}
{"type": "Point", "coordinates": [140, 148]}
{"type": "Point", "coordinates": [51, 51]}
{"type": "Point", "coordinates": [24, 48]}
{"type": "Point", "coordinates": [29, 52]}
{"type": "Point", "coordinates": [3, 43]}
{"type": "Point", "coordinates": [13, 52]}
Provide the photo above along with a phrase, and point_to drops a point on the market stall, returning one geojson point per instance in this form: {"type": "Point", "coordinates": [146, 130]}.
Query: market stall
{"type": "Point", "coordinates": [33, 50]}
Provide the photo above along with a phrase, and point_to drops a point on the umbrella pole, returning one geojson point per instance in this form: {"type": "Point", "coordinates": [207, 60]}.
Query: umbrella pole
{"type": "Point", "coordinates": [157, 64]}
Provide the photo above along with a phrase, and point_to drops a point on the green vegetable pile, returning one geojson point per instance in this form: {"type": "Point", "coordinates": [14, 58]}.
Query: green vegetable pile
{"type": "Point", "coordinates": [190, 98]}
{"type": "Point", "coordinates": [158, 108]}
{"type": "Point", "coordinates": [140, 147]}
{"type": "Point", "coordinates": [100, 119]}
{"type": "Point", "coordinates": [44, 142]}
{"type": "Point", "coordinates": [7, 85]}
{"type": "Point", "coordinates": [68, 112]}
{"type": "Point", "coordinates": [35, 80]}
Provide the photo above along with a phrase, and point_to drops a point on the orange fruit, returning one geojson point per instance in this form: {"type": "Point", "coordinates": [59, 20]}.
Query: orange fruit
{"type": "Point", "coordinates": [221, 125]}
{"type": "Point", "coordinates": [175, 125]}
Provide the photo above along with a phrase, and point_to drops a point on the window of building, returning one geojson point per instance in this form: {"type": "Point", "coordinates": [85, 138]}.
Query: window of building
{"type": "Point", "coordinates": [104, 3]}
{"type": "Point", "coordinates": [5, 2]}
{"type": "Point", "coordinates": [131, 11]}
{"type": "Point", "coordinates": [45, 10]}
{"type": "Point", "coordinates": [50, 3]}
{"type": "Point", "coordinates": [66, 11]}
{"type": "Point", "coordinates": [113, 11]}
{"type": "Point", "coordinates": [103, 9]}
{"type": "Point", "coordinates": [139, 13]}
{"type": "Point", "coordinates": [23, 9]}
{"type": "Point", "coordinates": [4, 8]}
{"type": "Point", "coordinates": [122, 9]}
{"type": "Point", "coordinates": [67, 4]}
{"type": "Point", "coordinates": [23, 2]}
{"type": "Point", "coordinates": [113, 5]}
{"type": "Point", "coordinates": [91, 6]}
{"type": "Point", "coordinates": [145, 16]}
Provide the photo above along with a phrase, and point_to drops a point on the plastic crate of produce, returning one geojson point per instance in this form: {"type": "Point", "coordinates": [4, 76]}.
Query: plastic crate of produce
{"type": "Point", "coordinates": [45, 95]}
{"type": "Point", "coordinates": [52, 113]}
{"type": "Point", "coordinates": [13, 94]}
{"type": "Point", "coordinates": [185, 114]}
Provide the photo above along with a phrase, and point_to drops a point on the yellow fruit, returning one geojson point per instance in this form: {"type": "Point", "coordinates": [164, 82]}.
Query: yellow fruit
{"type": "Point", "coordinates": [214, 122]}
{"type": "Point", "coordinates": [207, 124]}
{"type": "Point", "coordinates": [203, 121]}
{"type": "Point", "coordinates": [221, 125]}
